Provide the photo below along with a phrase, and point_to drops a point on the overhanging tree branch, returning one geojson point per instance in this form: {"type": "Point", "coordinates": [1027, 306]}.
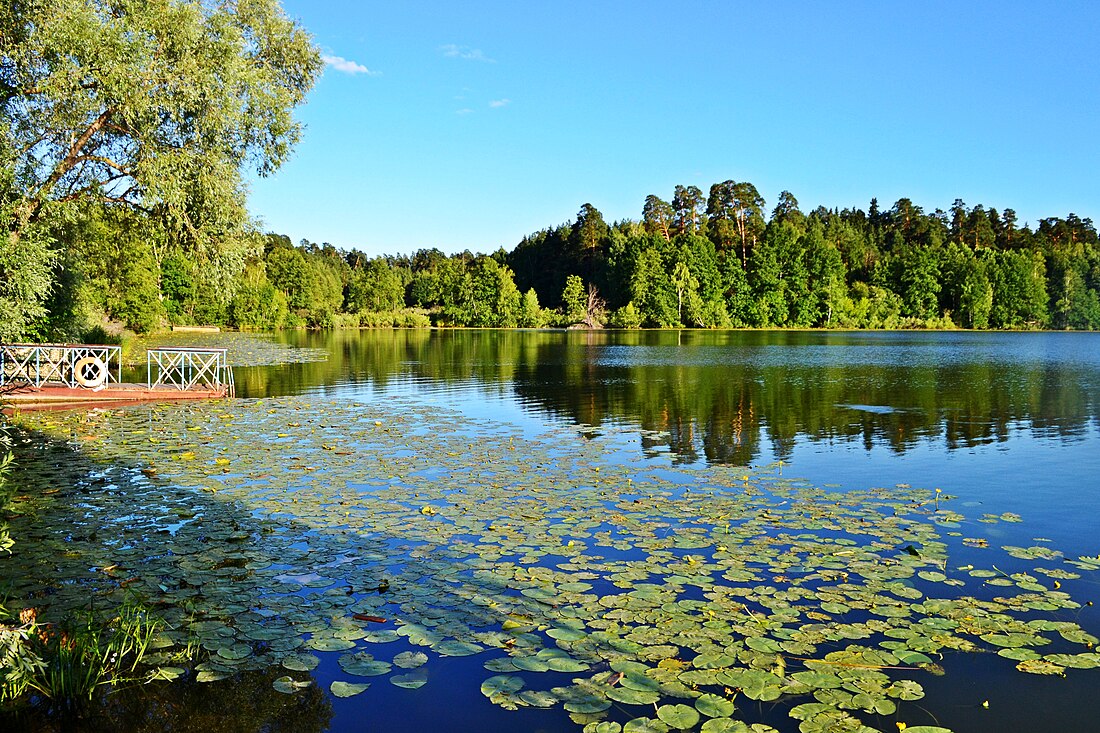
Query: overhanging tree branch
{"type": "Point", "coordinates": [67, 163]}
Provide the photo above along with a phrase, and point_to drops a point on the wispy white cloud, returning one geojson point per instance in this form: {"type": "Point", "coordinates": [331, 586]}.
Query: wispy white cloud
{"type": "Point", "coordinates": [346, 66]}
{"type": "Point", "coordinates": [497, 103]}
{"type": "Point", "coordinates": [454, 51]}
{"type": "Point", "coordinates": [463, 111]}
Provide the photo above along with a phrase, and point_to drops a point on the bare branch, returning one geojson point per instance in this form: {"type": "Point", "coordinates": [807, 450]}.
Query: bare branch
{"type": "Point", "coordinates": [69, 161]}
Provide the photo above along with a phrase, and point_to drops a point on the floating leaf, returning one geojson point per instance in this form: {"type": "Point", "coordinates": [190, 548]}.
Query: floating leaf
{"type": "Point", "coordinates": [455, 648]}
{"type": "Point", "coordinates": [339, 688]}
{"type": "Point", "coordinates": [289, 685]}
{"type": "Point", "coordinates": [565, 634]}
{"type": "Point", "coordinates": [1040, 666]}
{"type": "Point", "coordinates": [629, 696]}
{"type": "Point", "coordinates": [362, 664]}
{"type": "Point", "coordinates": [714, 706]}
{"type": "Point", "coordinates": [301, 662]}
{"type": "Point", "coordinates": [678, 716]}
{"type": "Point", "coordinates": [329, 644]}
{"type": "Point", "coordinates": [212, 675]}
{"type": "Point", "coordinates": [645, 725]}
{"type": "Point", "coordinates": [501, 684]}
{"type": "Point", "coordinates": [410, 660]}
{"type": "Point", "coordinates": [411, 680]}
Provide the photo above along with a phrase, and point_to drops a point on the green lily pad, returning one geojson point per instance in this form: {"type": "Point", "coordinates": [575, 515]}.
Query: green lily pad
{"type": "Point", "coordinates": [411, 680]}
{"type": "Point", "coordinates": [212, 675]}
{"type": "Point", "coordinates": [362, 664]}
{"type": "Point", "coordinates": [301, 662]}
{"type": "Point", "coordinates": [714, 706]}
{"type": "Point", "coordinates": [645, 725]}
{"type": "Point", "coordinates": [499, 684]}
{"type": "Point", "coordinates": [633, 697]}
{"type": "Point", "coordinates": [410, 660]}
{"type": "Point", "coordinates": [237, 651]}
{"type": "Point", "coordinates": [330, 644]}
{"type": "Point", "coordinates": [678, 716]}
{"type": "Point", "coordinates": [455, 648]}
{"type": "Point", "coordinates": [566, 634]}
{"type": "Point", "coordinates": [339, 688]}
{"type": "Point", "coordinates": [289, 685]}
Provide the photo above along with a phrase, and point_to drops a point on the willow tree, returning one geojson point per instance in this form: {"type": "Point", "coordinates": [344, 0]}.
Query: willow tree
{"type": "Point", "coordinates": [161, 107]}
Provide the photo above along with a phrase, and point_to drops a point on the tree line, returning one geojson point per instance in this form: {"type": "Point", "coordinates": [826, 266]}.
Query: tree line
{"type": "Point", "coordinates": [715, 261]}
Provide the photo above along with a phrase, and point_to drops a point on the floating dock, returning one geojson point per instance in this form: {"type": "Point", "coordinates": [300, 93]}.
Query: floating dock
{"type": "Point", "coordinates": [56, 376]}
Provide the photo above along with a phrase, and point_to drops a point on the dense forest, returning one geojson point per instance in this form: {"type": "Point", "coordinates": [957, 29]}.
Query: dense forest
{"type": "Point", "coordinates": [711, 261]}
{"type": "Point", "coordinates": [125, 141]}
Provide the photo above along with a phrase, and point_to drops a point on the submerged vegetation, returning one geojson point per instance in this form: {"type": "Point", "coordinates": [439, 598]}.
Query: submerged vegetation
{"type": "Point", "coordinates": [626, 594]}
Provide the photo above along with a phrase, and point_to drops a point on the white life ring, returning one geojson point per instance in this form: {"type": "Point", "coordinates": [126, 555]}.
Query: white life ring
{"type": "Point", "coordinates": [90, 372]}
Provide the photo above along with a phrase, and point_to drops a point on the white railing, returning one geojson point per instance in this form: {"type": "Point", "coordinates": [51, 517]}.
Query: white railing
{"type": "Point", "coordinates": [189, 368]}
{"type": "Point", "coordinates": [73, 365]}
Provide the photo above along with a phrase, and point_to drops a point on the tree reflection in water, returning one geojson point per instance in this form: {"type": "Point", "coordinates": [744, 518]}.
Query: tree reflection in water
{"type": "Point", "coordinates": [727, 396]}
{"type": "Point", "coordinates": [244, 703]}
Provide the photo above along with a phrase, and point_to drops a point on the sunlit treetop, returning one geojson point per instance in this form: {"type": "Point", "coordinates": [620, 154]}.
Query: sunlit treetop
{"type": "Point", "coordinates": [159, 106]}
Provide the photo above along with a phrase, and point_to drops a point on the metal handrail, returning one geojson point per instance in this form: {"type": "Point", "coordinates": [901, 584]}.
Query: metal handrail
{"type": "Point", "coordinates": [87, 366]}
{"type": "Point", "coordinates": [187, 368]}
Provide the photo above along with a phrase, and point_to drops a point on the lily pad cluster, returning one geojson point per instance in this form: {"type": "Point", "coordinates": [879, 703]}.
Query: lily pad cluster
{"type": "Point", "coordinates": [635, 595]}
{"type": "Point", "coordinates": [242, 349]}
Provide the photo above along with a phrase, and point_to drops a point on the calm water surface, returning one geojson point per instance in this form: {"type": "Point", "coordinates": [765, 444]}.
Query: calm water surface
{"type": "Point", "coordinates": [999, 422]}
{"type": "Point", "coordinates": [1004, 422]}
{"type": "Point", "coordinates": [1011, 419]}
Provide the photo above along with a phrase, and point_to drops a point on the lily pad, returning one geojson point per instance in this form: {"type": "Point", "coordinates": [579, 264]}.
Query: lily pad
{"type": "Point", "coordinates": [678, 716]}
{"type": "Point", "coordinates": [410, 660]}
{"type": "Point", "coordinates": [411, 680]}
{"type": "Point", "coordinates": [339, 688]}
{"type": "Point", "coordinates": [289, 685]}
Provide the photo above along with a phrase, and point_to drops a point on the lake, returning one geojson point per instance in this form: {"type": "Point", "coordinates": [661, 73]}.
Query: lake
{"type": "Point", "coordinates": [545, 530]}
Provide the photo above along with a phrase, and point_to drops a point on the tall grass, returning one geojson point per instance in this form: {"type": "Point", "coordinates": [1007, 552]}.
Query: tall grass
{"type": "Point", "coordinates": [68, 664]}
{"type": "Point", "coordinates": [86, 653]}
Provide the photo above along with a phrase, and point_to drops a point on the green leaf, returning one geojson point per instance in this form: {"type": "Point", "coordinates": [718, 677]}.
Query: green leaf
{"type": "Point", "coordinates": [645, 725]}
{"type": "Point", "coordinates": [410, 681]}
{"type": "Point", "coordinates": [289, 685]}
{"type": "Point", "coordinates": [499, 684]}
{"type": "Point", "coordinates": [678, 716]}
{"type": "Point", "coordinates": [410, 660]}
{"type": "Point", "coordinates": [714, 706]}
{"type": "Point", "coordinates": [339, 688]}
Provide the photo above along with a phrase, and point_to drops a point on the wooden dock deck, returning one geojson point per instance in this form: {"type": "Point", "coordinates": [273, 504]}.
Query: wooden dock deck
{"type": "Point", "coordinates": [57, 376]}
{"type": "Point", "coordinates": [60, 396]}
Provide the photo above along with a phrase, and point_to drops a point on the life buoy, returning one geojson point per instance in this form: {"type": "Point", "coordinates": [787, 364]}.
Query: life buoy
{"type": "Point", "coordinates": [90, 372]}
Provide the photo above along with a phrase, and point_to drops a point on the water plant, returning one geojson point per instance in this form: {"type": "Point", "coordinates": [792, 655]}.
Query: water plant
{"type": "Point", "coordinates": [632, 594]}
{"type": "Point", "coordinates": [20, 665]}
{"type": "Point", "coordinates": [67, 664]}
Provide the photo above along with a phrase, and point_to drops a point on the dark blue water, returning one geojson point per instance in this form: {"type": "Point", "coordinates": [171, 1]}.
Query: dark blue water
{"type": "Point", "coordinates": [1000, 422]}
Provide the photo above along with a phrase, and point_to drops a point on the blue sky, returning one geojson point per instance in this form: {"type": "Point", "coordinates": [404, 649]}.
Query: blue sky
{"type": "Point", "coordinates": [466, 125]}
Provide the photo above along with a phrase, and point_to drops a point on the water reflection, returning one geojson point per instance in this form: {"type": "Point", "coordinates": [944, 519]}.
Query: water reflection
{"type": "Point", "coordinates": [246, 703]}
{"type": "Point", "coordinates": [729, 396]}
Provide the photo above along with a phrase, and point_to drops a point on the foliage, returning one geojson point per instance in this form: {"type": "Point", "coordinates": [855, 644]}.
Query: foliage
{"type": "Point", "coordinates": [405, 318]}
{"type": "Point", "coordinates": [257, 304]}
{"type": "Point", "coordinates": [152, 109]}
{"type": "Point", "coordinates": [69, 663]}
{"type": "Point", "coordinates": [27, 256]}
{"type": "Point", "coordinates": [680, 266]}
{"type": "Point", "coordinates": [626, 317]}
{"type": "Point", "coordinates": [573, 298]}
{"type": "Point", "coordinates": [7, 491]}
